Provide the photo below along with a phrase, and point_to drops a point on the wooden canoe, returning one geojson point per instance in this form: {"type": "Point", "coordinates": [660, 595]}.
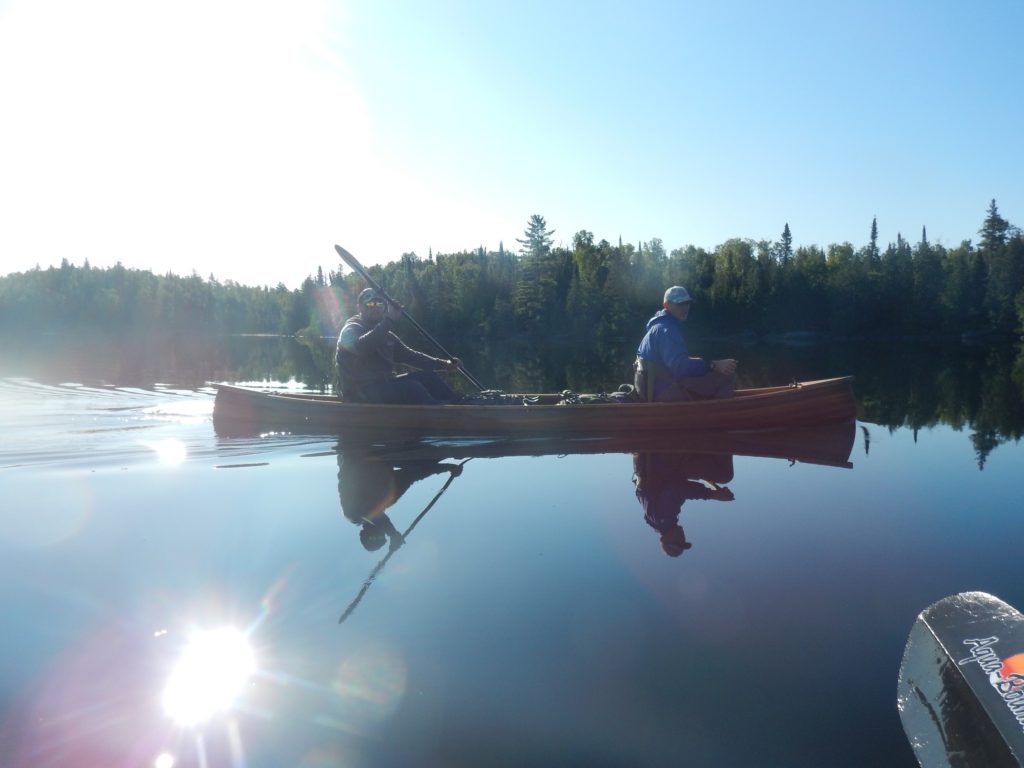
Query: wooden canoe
{"type": "Point", "coordinates": [239, 410]}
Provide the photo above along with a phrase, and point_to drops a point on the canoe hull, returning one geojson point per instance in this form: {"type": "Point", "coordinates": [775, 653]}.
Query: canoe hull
{"type": "Point", "coordinates": [238, 409]}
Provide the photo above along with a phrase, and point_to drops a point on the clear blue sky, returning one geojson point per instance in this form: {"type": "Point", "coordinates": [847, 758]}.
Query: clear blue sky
{"type": "Point", "coordinates": [244, 139]}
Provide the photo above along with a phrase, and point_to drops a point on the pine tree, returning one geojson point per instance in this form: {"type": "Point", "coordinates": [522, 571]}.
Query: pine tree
{"type": "Point", "coordinates": [786, 245]}
{"type": "Point", "coordinates": [535, 290]}
{"type": "Point", "coordinates": [1004, 271]}
{"type": "Point", "coordinates": [537, 238]}
{"type": "Point", "coordinates": [995, 229]}
{"type": "Point", "coordinates": [928, 277]}
{"type": "Point", "coordinates": [873, 253]}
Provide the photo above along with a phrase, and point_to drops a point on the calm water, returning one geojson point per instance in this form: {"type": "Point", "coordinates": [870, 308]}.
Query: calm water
{"type": "Point", "coordinates": [531, 616]}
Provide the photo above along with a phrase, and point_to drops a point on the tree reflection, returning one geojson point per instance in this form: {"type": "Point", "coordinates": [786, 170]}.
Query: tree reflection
{"type": "Point", "coordinates": [974, 388]}
{"type": "Point", "coordinates": [979, 389]}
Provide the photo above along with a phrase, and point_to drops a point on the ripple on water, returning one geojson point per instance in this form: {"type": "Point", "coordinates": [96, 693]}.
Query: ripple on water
{"type": "Point", "coordinates": [75, 425]}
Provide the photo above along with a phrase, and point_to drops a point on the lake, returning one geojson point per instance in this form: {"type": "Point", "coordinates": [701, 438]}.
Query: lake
{"type": "Point", "coordinates": [177, 597]}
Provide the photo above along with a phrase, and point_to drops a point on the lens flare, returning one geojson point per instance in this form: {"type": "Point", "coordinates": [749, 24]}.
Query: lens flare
{"type": "Point", "coordinates": [210, 675]}
{"type": "Point", "coordinates": [369, 687]}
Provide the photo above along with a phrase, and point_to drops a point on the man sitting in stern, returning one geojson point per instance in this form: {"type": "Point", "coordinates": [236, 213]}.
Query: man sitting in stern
{"type": "Point", "coordinates": [368, 350]}
{"type": "Point", "coordinates": [664, 370]}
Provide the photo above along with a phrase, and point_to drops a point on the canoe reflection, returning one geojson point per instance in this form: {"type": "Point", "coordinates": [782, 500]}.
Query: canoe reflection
{"type": "Point", "coordinates": [668, 470]}
{"type": "Point", "coordinates": [666, 480]}
{"type": "Point", "coordinates": [829, 445]}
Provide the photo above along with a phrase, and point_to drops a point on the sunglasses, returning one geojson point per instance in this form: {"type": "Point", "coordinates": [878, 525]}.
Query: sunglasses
{"type": "Point", "coordinates": [373, 303]}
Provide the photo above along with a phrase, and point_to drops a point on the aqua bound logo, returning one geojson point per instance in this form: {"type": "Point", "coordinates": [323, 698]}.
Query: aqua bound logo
{"type": "Point", "coordinates": [1006, 676]}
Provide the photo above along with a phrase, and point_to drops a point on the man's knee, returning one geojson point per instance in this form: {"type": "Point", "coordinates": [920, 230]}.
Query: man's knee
{"type": "Point", "coordinates": [400, 391]}
{"type": "Point", "coordinates": [673, 393]}
{"type": "Point", "coordinates": [727, 387]}
{"type": "Point", "coordinates": [414, 393]}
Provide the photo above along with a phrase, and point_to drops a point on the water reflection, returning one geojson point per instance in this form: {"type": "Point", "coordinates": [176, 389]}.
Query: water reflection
{"type": "Point", "coordinates": [977, 389]}
{"type": "Point", "coordinates": [368, 486]}
{"type": "Point", "coordinates": [665, 481]}
{"type": "Point", "coordinates": [826, 444]}
{"type": "Point", "coordinates": [668, 471]}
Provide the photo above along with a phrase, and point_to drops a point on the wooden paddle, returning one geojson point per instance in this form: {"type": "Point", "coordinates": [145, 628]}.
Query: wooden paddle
{"type": "Point", "coordinates": [351, 260]}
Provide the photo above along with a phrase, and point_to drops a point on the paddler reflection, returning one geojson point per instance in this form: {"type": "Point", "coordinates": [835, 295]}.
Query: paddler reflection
{"type": "Point", "coordinates": [666, 480]}
{"type": "Point", "coordinates": [368, 486]}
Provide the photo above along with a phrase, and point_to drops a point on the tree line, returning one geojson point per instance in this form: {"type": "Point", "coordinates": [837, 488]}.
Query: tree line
{"type": "Point", "coordinates": [585, 290]}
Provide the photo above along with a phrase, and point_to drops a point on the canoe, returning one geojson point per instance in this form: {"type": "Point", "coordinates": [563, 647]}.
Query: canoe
{"type": "Point", "coordinates": [240, 410]}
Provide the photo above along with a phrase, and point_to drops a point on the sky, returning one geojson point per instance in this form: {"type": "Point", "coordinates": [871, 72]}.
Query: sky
{"type": "Point", "coordinates": [244, 139]}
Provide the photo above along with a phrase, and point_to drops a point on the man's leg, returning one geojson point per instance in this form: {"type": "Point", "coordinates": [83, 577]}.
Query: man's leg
{"type": "Point", "coordinates": [434, 384]}
{"type": "Point", "coordinates": [673, 393]}
{"type": "Point", "coordinates": [400, 390]}
{"type": "Point", "coordinates": [711, 386]}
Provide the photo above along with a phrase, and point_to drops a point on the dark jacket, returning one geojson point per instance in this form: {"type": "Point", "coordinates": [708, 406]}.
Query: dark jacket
{"type": "Point", "coordinates": [367, 356]}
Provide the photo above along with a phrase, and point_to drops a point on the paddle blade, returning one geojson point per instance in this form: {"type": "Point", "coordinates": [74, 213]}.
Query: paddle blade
{"type": "Point", "coordinates": [961, 686]}
{"type": "Point", "coordinates": [349, 259]}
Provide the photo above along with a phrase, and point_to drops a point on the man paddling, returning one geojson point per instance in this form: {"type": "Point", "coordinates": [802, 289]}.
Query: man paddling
{"type": "Point", "coordinates": [368, 350]}
{"type": "Point", "coordinates": [664, 370]}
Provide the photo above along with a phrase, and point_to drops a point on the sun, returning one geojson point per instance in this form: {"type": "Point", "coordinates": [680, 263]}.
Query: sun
{"type": "Point", "coordinates": [209, 677]}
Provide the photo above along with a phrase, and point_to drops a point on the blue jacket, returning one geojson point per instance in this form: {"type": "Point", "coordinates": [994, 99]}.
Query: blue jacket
{"type": "Point", "coordinates": [664, 345]}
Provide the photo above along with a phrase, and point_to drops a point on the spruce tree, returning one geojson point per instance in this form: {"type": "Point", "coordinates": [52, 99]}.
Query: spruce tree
{"type": "Point", "coordinates": [786, 245]}
{"type": "Point", "coordinates": [995, 229]}
{"type": "Point", "coordinates": [873, 253]}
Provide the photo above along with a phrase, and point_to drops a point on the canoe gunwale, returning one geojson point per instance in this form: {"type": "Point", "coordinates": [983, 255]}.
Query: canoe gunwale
{"type": "Point", "coordinates": [796, 404]}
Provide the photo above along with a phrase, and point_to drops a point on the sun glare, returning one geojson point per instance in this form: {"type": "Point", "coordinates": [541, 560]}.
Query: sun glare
{"type": "Point", "coordinates": [215, 111]}
{"type": "Point", "coordinates": [169, 451]}
{"type": "Point", "coordinates": [210, 675]}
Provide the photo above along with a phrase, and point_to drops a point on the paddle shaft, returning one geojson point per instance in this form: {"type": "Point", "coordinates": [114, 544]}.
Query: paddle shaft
{"type": "Point", "coordinates": [382, 563]}
{"type": "Point", "coordinates": [351, 260]}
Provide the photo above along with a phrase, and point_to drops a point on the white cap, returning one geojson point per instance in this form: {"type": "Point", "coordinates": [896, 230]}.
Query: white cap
{"type": "Point", "coordinates": [677, 295]}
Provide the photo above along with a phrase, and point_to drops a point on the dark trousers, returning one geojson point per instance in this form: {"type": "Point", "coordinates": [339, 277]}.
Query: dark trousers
{"type": "Point", "coordinates": [416, 388]}
{"type": "Point", "coordinates": [711, 386]}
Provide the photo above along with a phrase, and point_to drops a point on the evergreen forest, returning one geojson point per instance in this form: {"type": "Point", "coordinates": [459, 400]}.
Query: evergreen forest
{"type": "Point", "coordinates": [589, 290]}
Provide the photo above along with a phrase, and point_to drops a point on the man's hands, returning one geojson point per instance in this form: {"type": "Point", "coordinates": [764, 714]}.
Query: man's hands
{"type": "Point", "coordinates": [721, 493]}
{"type": "Point", "coordinates": [726, 366]}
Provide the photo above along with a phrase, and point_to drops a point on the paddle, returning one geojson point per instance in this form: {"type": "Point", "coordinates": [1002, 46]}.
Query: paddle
{"type": "Point", "coordinates": [382, 563]}
{"type": "Point", "coordinates": [961, 686]}
{"type": "Point", "coordinates": [351, 260]}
